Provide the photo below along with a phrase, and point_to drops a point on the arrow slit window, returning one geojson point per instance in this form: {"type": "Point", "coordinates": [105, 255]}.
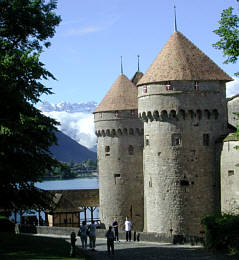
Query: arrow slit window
{"type": "Point", "coordinates": [176, 139]}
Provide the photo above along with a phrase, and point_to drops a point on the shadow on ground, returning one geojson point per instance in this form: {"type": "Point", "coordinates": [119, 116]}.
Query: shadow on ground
{"type": "Point", "coordinates": [160, 253]}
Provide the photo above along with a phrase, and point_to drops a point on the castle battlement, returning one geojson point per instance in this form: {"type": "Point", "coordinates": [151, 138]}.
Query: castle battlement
{"type": "Point", "coordinates": [173, 115]}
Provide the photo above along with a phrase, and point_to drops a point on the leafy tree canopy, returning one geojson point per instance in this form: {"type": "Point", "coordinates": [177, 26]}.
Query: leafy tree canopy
{"type": "Point", "coordinates": [25, 133]}
{"type": "Point", "coordinates": [228, 33]}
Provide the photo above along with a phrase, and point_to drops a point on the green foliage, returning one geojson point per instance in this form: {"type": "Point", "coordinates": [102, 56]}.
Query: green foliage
{"type": "Point", "coordinates": [229, 36]}
{"type": "Point", "coordinates": [71, 170]}
{"type": "Point", "coordinates": [222, 232]}
{"type": "Point", "coordinates": [25, 133]}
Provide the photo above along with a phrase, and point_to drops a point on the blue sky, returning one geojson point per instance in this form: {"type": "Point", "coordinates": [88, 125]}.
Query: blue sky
{"type": "Point", "coordinates": [86, 49]}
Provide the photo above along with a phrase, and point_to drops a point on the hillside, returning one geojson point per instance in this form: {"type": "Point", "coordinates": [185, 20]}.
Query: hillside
{"type": "Point", "coordinates": [69, 150]}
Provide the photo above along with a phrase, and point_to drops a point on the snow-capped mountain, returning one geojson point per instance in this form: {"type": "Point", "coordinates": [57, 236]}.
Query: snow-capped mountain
{"type": "Point", "coordinates": [76, 120]}
{"type": "Point", "coordinates": [87, 107]}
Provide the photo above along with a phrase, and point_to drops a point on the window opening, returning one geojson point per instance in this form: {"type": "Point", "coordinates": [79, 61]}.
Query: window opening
{"type": "Point", "coordinates": [146, 140]}
{"type": "Point", "coordinates": [145, 89]}
{"type": "Point", "coordinates": [117, 175]}
{"type": "Point", "coordinates": [206, 139]}
{"type": "Point", "coordinates": [131, 150]}
{"type": "Point", "coordinates": [107, 150]}
{"type": "Point", "coordinates": [116, 113]}
{"type": "Point", "coordinates": [230, 172]}
{"type": "Point", "coordinates": [150, 182]}
{"type": "Point", "coordinates": [215, 113]}
{"type": "Point", "coordinates": [176, 139]}
{"type": "Point", "coordinates": [184, 182]}
{"type": "Point", "coordinates": [196, 85]}
{"type": "Point", "coordinates": [132, 113]}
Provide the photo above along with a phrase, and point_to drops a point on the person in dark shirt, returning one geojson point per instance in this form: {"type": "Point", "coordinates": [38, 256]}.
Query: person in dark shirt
{"type": "Point", "coordinates": [110, 240]}
{"type": "Point", "coordinates": [115, 225]}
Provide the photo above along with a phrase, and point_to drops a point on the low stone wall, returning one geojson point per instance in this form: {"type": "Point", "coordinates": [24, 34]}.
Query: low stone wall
{"type": "Point", "coordinates": [137, 236]}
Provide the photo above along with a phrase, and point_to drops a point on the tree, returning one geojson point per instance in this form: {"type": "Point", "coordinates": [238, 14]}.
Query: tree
{"type": "Point", "coordinates": [25, 133]}
{"type": "Point", "coordinates": [229, 36]}
{"type": "Point", "coordinates": [228, 32]}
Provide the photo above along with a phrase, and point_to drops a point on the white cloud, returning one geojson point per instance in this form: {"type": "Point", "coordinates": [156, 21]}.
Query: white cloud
{"type": "Point", "coordinates": [232, 88]}
{"type": "Point", "coordinates": [79, 126]}
{"type": "Point", "coordinates": [84, 30]}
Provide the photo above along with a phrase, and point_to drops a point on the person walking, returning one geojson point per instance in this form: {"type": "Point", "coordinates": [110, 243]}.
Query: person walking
{"type": "Point", "coordinates": [128, 226]}
{"type": "Point", "coordinates": [83, 235]}
{"type": "Point", "coordinates": [115, 225]}
{"type": "Point", "coordinates": [92, 235]}
{"type": "Point", "coordinates": [110, 240]}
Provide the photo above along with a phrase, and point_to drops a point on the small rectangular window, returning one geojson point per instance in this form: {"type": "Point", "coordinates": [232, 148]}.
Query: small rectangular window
{"type": "Point", "coordinates": [116, 176]}
{"type": "Point", "coordinates": [230, 172]}
{"type": "Point", "coordinates": [131, 150]}
{"type": "Point", "coordinates": [145, 89]}
{"type": "Point", "coordinates": [150, 182]}
{"type": "Point", "coordinates": [206, 139]}
{"type": "Point", "coordinates": [146, 140]}
{"type": "Point", "coordinates": [116, 113]}
{"type": "Point", "coordinates": [132, 113]}
{"type": "Point", "coordinates": [176, 139]}
{"type": "Point", "coordinates": [107, 150]}
{"type": "Point", "coordinates": [196, 85]}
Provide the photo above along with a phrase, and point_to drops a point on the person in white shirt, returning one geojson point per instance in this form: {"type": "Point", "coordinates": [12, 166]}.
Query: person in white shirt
{"type": "Point", "coordinates": [128, 226]}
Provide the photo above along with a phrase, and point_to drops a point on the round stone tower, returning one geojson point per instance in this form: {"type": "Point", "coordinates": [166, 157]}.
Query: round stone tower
{"type": "Point", "coordinates": [120, 154]}
{"type": "Point", "coordinates": [182, 103]}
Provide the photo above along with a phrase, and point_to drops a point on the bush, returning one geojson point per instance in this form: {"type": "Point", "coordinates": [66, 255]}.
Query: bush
{"type": "Point", "coordinates": [222, 232]}
{"type": "Point", "coordinates": [6, 225]}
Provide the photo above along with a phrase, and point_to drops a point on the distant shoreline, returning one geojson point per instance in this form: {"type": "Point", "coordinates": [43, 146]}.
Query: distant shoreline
{"type": "Point", "coordinates": [79, 176]}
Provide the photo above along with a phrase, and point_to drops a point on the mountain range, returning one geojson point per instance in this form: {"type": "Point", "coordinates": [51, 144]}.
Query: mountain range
{"type": "Point", "coordinates": [69, 150]}
{"type": "Point", "coordinates": [87, 107]}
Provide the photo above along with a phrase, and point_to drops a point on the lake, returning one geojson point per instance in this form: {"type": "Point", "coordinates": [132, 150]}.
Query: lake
{"type": "Point", "coordinates": [71, 184]}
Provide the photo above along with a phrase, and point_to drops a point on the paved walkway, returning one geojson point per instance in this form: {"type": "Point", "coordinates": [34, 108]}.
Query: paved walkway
{"type": "Point", "coordinates": [152, 251]}
{"type": "Point", "coordinates": [148, 251]}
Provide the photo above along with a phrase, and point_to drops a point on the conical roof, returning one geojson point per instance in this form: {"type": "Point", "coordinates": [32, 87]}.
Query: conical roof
{"type": "Point", "coordinates": [121, 96]}
{"type": "Point", "coordinates": [180, 59]}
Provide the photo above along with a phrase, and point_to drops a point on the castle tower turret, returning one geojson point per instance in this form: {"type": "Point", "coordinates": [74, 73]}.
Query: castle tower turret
{"type": "Point", "coordinates": [120, 154]}
{"type": "Point", "coordinates": [183, 105]}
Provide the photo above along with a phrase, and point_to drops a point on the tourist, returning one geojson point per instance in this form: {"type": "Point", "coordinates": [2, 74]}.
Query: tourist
{"type": "Point", "coordinates": [110, 240]}
{"type": "Point", "coordinates": [73, 244]}
{"type": "Point", "coordinates": [83, 235]}
{"type": "Point", "coordinates": [128, 226]}
{"type": "Point", "coordinates": [92, 235]}
{"type": "Point", "coordinates": [115, 225]}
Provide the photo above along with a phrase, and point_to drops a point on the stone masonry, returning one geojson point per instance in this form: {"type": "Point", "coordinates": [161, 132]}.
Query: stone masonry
{"type": "Point", "coordinates": [164, 171]}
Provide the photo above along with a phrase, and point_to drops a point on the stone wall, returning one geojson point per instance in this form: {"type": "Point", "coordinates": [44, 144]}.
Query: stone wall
{"type": "Point", "coordinates": [100, 233]}
{"type": "Point", "coordinates": [230, 176]}
{"type": "Point", "coordinates": [181, 126]}
{"type": "Point", "coordinates": [120, 163]}
{"type": "Point", "coordinates": [233, 107]}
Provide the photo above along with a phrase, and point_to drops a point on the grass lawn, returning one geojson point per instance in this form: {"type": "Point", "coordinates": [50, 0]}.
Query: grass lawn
{"type": "Point", "coordinates": [17, 247]}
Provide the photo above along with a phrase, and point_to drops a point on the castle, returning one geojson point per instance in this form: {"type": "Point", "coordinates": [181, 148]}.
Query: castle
{"type": "Point", "coordinates": [160, 138]}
